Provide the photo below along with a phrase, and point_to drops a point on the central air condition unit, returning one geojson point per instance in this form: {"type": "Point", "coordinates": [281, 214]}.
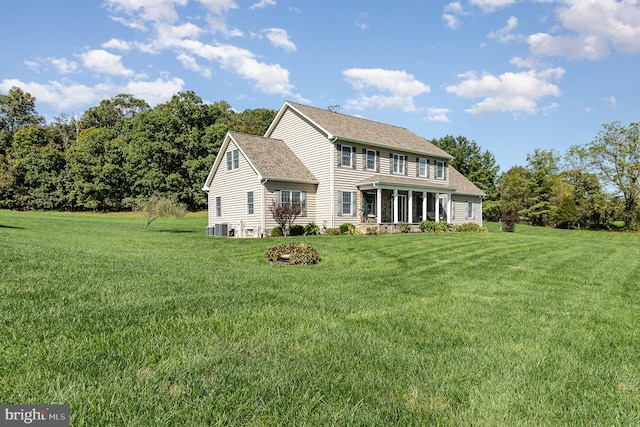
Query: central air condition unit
{"type": "Point", "coordinates": [221, 230]}
{"type": "Point", "coordinates": [211, 231]}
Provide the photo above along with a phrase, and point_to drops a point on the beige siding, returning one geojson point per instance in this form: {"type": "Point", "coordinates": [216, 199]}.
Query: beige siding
{"type": "Point", "coordinates": [314, 149]}
{"type": "Point", "coordinates": [270, 198]}
{"type": "Point", "coordinates": [232, 187]}
{"type": "Point", "coordinates": [460, 205]}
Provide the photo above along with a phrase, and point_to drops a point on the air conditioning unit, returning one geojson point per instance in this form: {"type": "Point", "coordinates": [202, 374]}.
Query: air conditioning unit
{"type": "Point", "coordinates": [221, 230]}
{"type": "Point", "coordinates": [210, 231]}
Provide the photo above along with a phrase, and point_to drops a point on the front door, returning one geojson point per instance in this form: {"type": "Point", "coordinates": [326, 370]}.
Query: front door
{"type": "Point", "coordinates": [402, 208]}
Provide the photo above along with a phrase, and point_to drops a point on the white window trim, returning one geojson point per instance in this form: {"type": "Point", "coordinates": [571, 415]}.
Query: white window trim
{"type": "Point", "coordinates": [375, 160]}
{"type": "Point", "coordinates": [351, 155]}
{"type": "Point", "coordinates": [424, 161]}
{"type": "Point", "coordinates": [233, 159]}
{"type": "Point", "coordinates": [250, 203]}
{"type": "Point", "coordinates": [218, 206]}
{"type": "Point", "coordinates": [444, 173]}
{"type": "Point", "coordinates": [289, 193]}
{"type": "Point", "coordinates": [471, 207]}
{"type": "Point", "coordinates": [401, 164]}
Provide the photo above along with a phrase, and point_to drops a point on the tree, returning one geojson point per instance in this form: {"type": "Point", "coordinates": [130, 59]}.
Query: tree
{"type": "Point", "coordinates": [614, 156]}
{"type": "Point", "coordinates": [543, 167]}
{"type": "Point", "coordinates": [285, 214]}
{"type": "Point", "coordinates": [160, 207]}
{"type": "Point", "coordinates": [113, 112]}
{"type": "Point", "coordinates": [17, 110]}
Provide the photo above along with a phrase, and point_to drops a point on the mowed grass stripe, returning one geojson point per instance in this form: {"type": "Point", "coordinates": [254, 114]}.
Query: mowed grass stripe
{"type": "Point", "coordinates": [170, 327]}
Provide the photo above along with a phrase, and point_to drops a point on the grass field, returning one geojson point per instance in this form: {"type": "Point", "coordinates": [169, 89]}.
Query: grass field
{"type": "Point", "coordinates": [173, 328]}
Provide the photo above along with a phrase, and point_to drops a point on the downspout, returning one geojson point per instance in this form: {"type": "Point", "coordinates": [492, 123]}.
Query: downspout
{"type": "Point", "coordinates": [263, 211]}
{"type": "Point", "coordinates": [332, 141]}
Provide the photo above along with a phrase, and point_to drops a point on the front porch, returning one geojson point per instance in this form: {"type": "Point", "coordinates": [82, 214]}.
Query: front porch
{"type": "Point", "coordinates": [392, 208]}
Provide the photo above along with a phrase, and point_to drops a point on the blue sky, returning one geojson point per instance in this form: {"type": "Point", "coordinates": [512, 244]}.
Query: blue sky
{"type": "Point", "coordinates": [512, 75]}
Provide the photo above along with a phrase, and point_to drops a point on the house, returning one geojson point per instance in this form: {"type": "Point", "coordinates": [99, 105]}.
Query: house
{"type": "Point", "coordinates": [342, 169]}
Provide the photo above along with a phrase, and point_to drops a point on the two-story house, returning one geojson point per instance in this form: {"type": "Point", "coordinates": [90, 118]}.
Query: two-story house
{"type": "Point", "coordinates": [342, 169]}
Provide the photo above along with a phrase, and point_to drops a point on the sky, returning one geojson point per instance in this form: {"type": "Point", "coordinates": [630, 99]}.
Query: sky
{"type": "Point", "coordinates": [512, 75]}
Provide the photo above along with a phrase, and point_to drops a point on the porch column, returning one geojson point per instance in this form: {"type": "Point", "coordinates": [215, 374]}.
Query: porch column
{"type": "Point", "coordinates": [449, 206]}
{"type": "Point", "coordinates": [395, 205]}
{"type": "Point", "coordinates": [379, 205]}
{"type": "Point", "coordinates": [437, 207]}
{"type": "Point", "coordinates": [410, 207]}
{"type": "Point", "coordinates": [424, 205]}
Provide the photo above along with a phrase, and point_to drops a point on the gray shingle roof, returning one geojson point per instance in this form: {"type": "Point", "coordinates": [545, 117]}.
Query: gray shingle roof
{"type": "Point", "coordinates": [457, 182]}
{"type": "Point", "coordinates": [272, 158]}
{"type": "Point", "coordinates": [357, 129]}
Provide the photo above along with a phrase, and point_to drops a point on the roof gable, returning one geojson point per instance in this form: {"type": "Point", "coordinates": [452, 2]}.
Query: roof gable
{"type": "Point", "coordinates": [272, 158]}
{"type": "Point", "coordinates": [356, 129]}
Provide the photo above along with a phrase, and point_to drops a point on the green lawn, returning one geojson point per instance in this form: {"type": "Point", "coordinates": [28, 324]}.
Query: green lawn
{"type": "Point", "coordinates": [173, 328]}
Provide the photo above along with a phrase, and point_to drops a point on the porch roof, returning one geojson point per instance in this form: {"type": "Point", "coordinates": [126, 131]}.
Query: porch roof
{"type": "Point", "coordinates": [458, 183]}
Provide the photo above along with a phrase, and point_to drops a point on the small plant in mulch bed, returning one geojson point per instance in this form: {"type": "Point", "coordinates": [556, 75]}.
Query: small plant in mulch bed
{"type": "Point", "coordinates": [293, 254]}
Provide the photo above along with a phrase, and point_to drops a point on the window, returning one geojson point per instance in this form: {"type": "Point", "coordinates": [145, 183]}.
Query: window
{"type": "Point", "coordinates": [250, 203]}
{"type": "Point", "coordinates": [470, 210]}
{"type": "Point", "coordinates": [440, 169]}
{"type": "Point", "coordinates": [345, 202]}
{"type": "Point", "coordinates": [399, 161]}
{"type": "Point", "coordinates": [218, 206]}
{"type": "Point", "coordinates": [286, 197]}
{"type": "Point", "coordinates": [232, 160]}
{"type": "Point", "coordinates": [372, 163]}
{"type": "Point", "coordinates": [422, 167]}
{"type": "Point", "coordinates": [346, 156]}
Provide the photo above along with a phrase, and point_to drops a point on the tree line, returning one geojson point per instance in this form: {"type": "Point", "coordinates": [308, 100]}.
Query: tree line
{"type": "Point", "coordinates": [117, 154]}
{"type": "Point", "coordinates": [122, 152]}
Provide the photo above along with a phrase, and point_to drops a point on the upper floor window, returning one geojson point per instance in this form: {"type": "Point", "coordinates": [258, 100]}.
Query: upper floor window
{"type": "Point", "coordinates": [371, 160]}
{"type": "Point", "coordinates": [440, 169]}
{"type": "Point", "coordinates": [347, 154]}
{"type": "Point", "coordinates": [399, 164]}
{"type": "Point", "coordinates": [422, 167]}
{"type": "Point", "coordinates": [232, 160]}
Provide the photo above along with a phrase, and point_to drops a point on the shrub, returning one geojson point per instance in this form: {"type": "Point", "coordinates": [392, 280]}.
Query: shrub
{"type": "Point", "coordinates": [509, 220]}
{"type": "Point", "coordinates": [435, 227]}
{"type": "Point", "coordinates": [296, 230]}
{"type": "Point", "coordinates": [298, 254]}
{"type": "Point", "coordinates": [311, 229]}
{"type": "Point", "coordinates": [346, 227]}
{"type": "Point", "coordinates": [618, 225]}
{"type": "Point", "coordinates": [471, 227]}
{"type": "Point", "coordinates": [276, 232]}
{"type": "Point", "coordinates": [334, 231]}
{"type": "Point", "coordinates": [372, 231]}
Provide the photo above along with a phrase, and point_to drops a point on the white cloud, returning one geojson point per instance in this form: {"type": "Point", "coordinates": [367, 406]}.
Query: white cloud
{"type": "Point", "coordinates": [262, 4]}
{"type": "Point", "coordinates": [452, 13]}
{"type": "Point", "coordinates": [279, 38]}
{"type": "Point", "coordinates": [594, 28]}
{"type": "Point", "coordinates": [402, 86]}
{"type": "Point", "coordinates": [63, 65]}
{"type": "Point", "coordinates": [438, 115]}
{"type": "Point", "coordinates": [492, 5]}
{"type": "Point", "coordinates": [504, 34]}
{"type": "Point", "coordinates": [219, 6]}
{"type": "Point", "coordinates": [508, 92]}
{"type": "Point", "coordinates": [189, 62]}
{"type": "Point", "coordinates": [117, 44]}
{"type": "Point", "coordinates": [148, 10]}
{"type": "Point", "coordinates": [104, 62]}
{"type": "Point", "coordinates": [69, 96]}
